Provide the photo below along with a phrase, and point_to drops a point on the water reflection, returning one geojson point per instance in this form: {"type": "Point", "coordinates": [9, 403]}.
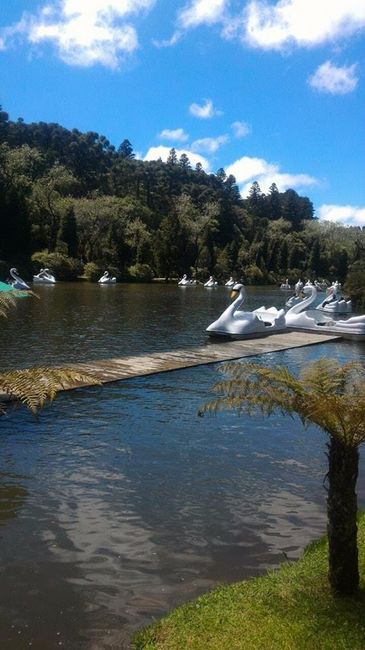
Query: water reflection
{"type": "Point", "coordinates": [12, 496]}
{"type": "Point", "coordinates": [130, 503]}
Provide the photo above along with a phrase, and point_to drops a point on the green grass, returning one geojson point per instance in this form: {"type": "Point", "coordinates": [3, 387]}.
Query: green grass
{"type": "Point", "coordinates": [290, 608]}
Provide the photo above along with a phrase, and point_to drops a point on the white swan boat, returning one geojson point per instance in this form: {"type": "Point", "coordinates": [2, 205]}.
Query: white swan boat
{"type": "Point", "coordinates": [334, 303]}
{"type": "Point", "coordinates": [186, 282]}
{"type": "Point", "coordinates": [320, 286]}
{"type": "Point", "coordinates": [238, 324]}
{"type": "Point", "coordinates": [298, 318]}
{"type": "Point", "coordinates": [285, 286]}
{"type": "Point", "coordinates": [106, 278]}
{"type": "Point", "coordinates": [230, 283]}
{"type": "Point", "coordinates": [211, 282]}
{"type": "Point", "coordinates": [17, 281]}
{"type": "Point", "coordinates": [44, 277]}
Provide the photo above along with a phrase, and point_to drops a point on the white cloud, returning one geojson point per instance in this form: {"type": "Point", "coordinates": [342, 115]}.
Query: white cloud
{"type": "Point", "coordinates": [246, 170]}
{"type": "Point", "coordinates": [328, 78]}
{"type": "Point", "coordinates": [240, 129]}
{"type": "Point", "coordinates": [204, 111]}
{"type": "Point", "coordinates": [267, 24]}
{"type": "Point", "coordinates": [167, 42]}
{"type": "Point", "coordinates": [304, 23]}
{"type": "Point", "coordinates": [345, 214]}
{"type": "Point", "coordinates": [154, 153]}
{"type": "Point", "coordinates": [195, 13]}
{"type": "Point", "coordinates": [199, 12]}
{"type": "Point", "coordinates": [209, 145]}
{"type": "Point", "coordinates": [174, 134]}
{"type": "Point", "coordinates": [84, 33]}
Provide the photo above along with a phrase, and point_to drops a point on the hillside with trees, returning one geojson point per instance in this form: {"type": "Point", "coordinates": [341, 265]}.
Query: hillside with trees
{"type": "Point", "coordinates": [74, 202]}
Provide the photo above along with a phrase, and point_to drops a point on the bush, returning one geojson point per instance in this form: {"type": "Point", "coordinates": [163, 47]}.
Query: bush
{"type": "Point", "coordinates": [140, 273]}
{"type": "Point", "coordinates": [92, 271]}
{"type": "Point", "coordinates": [62, 266]}
{"type": "Point", "coordinates": [253, 275]}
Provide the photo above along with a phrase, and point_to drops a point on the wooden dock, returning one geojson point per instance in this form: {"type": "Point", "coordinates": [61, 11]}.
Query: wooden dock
{"type": "Point", "coordinates": [109, 370]}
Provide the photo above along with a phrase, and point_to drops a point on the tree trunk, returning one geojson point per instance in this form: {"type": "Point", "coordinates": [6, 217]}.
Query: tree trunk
{"type": "Point", "coordinates": [342, 514]}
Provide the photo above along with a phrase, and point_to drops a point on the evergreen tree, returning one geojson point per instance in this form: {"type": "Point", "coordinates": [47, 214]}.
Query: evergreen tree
{"type": "Point", "coordinates": [172, 157]}
{"type": "Point", "coordinates": [184, 162]}
{"type": "Point", "coordinates": [67, 233]}
{"type": "Point", "coordinates": [125, 150]}
{"type": "Point", "coordinates": [273, 202]}
{"type": "Point", "coordinates": [314, 261]}
{"type": "Point", "coordinates": [255, 200]}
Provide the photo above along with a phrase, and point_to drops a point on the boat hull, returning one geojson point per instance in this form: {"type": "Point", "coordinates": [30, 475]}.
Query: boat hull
{"type": "Point", "coordinates": [348, 335]}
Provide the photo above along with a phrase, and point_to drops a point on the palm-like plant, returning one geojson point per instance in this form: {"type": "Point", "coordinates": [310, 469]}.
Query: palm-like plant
{"type": "Point", "coordinates": [331, 396]}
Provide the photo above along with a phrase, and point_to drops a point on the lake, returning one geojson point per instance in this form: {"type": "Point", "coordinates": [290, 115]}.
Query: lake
{"type": "Point", "coordinates": [118, 502]}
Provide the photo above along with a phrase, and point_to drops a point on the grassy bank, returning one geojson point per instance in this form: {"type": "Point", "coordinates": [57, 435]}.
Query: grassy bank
{"type": "Point", "coordinates": [290, 608]}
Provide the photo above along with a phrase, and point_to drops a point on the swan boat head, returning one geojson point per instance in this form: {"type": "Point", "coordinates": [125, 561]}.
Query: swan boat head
{"type": "Point", "coordinates": [300, 306]}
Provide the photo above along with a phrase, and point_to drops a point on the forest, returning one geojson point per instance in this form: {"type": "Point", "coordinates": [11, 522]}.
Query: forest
{"type": "Point", "coordinates": [74, 202]}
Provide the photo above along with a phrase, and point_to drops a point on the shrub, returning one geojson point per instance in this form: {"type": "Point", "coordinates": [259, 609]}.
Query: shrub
{"type": "Point", "coordinates": [253, 275]}
{"type": "Point", "coordinates": [62, 266]}
{"type": "Point", "coordinates": [92, 271]}
{"type": "Point", "coordinates": [140, 273]}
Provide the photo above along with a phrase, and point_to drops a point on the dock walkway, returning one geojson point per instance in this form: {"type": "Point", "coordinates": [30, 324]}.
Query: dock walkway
{"type": "Point", "coordinates": [109, 370]}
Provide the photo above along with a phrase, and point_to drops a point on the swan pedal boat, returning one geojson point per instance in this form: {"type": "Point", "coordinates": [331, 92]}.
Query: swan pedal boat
{"type": "Point", "coordinates": [230, 283]}
{"type": "Point", "coordinates": [297, 318]}
{"type": "Point", "coordinates": [285, 286]}
{"type": "Point", "coordinates": [107, 279]}
{"type": "Point", "coordinates": [334, 303]}
{"type": "Point", "coordinates": [211, 282]}
{"type": "Point", "coordinates": [17, 281]}
{"type": "Point", "coordinates": [235, 323]}
{"type": "Point", "coordinates": [185, 282]}
{"type": "Point", "coordinates": [44, 277]}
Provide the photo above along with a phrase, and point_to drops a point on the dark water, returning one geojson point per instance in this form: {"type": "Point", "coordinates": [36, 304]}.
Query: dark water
{"type": "Point", "coordinates": [118, 502]}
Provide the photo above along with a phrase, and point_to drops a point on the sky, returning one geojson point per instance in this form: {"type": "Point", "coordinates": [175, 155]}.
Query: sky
{"type": "Point", "coordinates": [273, 92]}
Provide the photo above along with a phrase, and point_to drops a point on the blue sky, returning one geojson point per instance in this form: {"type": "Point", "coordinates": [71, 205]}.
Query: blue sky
{"type": "Point", "coordinates": [271, 91]}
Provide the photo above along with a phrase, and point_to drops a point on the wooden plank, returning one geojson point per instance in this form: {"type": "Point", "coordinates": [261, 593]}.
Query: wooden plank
{"type": "Point", "coordinates": [110, 370]}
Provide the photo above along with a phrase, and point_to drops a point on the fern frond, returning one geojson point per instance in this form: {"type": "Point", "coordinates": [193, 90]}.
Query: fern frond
{"type": "Point", "coordinates": [7, 300]}
{"type": "Point", "coordinates": [326, 394]}
{"type": "Point", "coordinates": [34, 386]}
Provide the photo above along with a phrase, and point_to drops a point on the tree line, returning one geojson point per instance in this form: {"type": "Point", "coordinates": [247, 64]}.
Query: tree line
{"type": "Point", "coordinates": [73, 201]}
